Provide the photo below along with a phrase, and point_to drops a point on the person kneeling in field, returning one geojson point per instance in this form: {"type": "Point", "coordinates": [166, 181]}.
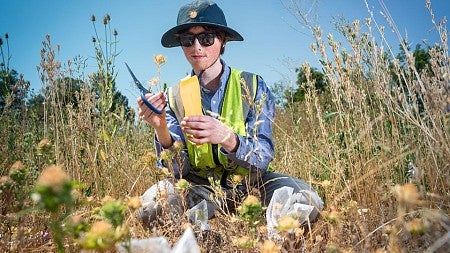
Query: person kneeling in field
{"type": "Point", "coordinates": [230, 138]}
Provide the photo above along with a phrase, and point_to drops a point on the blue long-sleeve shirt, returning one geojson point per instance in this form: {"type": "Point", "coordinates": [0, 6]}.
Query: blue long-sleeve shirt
{"type": "Point", "coordinates": [256, 150]}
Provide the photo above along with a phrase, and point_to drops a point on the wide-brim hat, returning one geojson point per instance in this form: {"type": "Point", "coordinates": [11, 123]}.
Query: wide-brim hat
{"type": "Point", "coordinates": [199, 13]}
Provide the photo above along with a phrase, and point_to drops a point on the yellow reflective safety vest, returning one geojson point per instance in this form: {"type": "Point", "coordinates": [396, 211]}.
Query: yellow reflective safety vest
{"type": "Point", "coordinates": [238, 98]}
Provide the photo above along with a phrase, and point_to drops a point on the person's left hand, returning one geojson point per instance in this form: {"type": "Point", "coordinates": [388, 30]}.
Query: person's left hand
{"type": "Point", "coordinates": [206, 129]}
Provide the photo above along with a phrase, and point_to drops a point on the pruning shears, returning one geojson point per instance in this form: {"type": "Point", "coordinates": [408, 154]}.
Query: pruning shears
{"type": "Point", "coordinates": [143, 91]}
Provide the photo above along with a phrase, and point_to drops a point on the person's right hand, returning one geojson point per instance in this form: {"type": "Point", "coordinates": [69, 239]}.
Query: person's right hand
{"type": "Point", "coordinates": [159, 102]}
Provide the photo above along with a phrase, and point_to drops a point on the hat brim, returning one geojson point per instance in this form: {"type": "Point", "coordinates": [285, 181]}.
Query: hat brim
{"type": "Point", "coordinates": [170, 39]}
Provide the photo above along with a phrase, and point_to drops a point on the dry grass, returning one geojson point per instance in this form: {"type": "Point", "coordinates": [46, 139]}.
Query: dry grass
{"type": "Point", "coordinates": [356, 144]}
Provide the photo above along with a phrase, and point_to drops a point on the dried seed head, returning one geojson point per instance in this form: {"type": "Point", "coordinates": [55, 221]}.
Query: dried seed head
{"type": "Point", "coordinates": [269, 247]}
{"type": "Point", "coordinates": [154, 81]}
{"type": "Point", "coordinates": [6, 35]}
{"type": "Point", "coordinates": [93, 18]}
{"type": "Point", "coordinates": [1, 41]}
{"type": "Point", "coordinates": [94, 39]}
{"type": "Point", "coordinates": [182, 185]}
{"type": "Point", "coordinates": [101, 228]}
{"type": "Point", "coordinates": [5, 180]}
{"type": "Point", "coordinates": [417, 226]}
{"type": "Point", "coordinates": [115, 33]}
{"type": "Point", "coordinates": [18, 165]}
{"type": "Point", "coordinates": [287, 224]}
{"type": "Point", "coordinates": [44, 144]}
{"type": "Point", "coordinates": [53, 177]}
{"type": "Point", "coordinates": [161, 194]}
{"type": "Point", "coordinates": [178, 146]}
{"type": "Point", "coordinates": [251, 200]}
{"type": "Point", "coordinates": [134, 202]}
{"type": "Point", "coordinates": [159, 59]}
{"type": "Point", "coordinates": [106, 19]}
{"type": "Point", "coordinates": [243, 242]}
{"type": "Point", "coordinates": [407, 194]}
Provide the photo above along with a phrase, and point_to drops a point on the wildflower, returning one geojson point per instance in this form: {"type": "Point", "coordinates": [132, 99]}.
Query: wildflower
{"type": "Point", "coordinates": [287, 224]}
{"type": "Point", "coordinates": [237, 178]}
{"type": "Point", "coordinates": [106, 19]}
{"type": "Point", "coordinates": [178, 146]}
{"type": "Point", "coordinates": [100, 236]}
{"type": "Point", "coordinates": [45, 144]}
{"type": "Point", "coordinates": [165, 171]}
{"type": "Point", "coordinates": [244, 242]}
{"type": "Point", "coordinates": [114, 212]}
{"type": "Point", "coordinates": [299, 232]}
{"type": "Point", "coordinates": [332, 217]}
{"type": "Point", "coordinates": [251, 209]}
{"type": "Point", "coordinates": [182, 185]}
{"type": "Point", "coordinates": [53, 177]}
{"type": "Point", "coordinates": [251, 201]}
{"type": "Point", "coordinates": [406, 195]}
{"type": "Point", "coordinates": [106, 199]}
{"type": "Point", "coordinates": [166, 155]}
{"type": "Point", "coordinates": [154, 81]}
{"type": "Point", "coordinates": [417, 226]}
{"type": "Point", "coordinates": [159, 59]}
{"type": "Point", "coordinates": [134, 202]}
{"type": "Point", "coordinates": [319, 238]}
{"type": "Point", "coordinates": [53, 189]}
{"type": "Point", "coordinates": [76, 194]}
{"type": "Point", "coordinates": [5, 182]}
{"type": "Point", "coordinates": [269, 247]}
{"type": "Point", "coordinates": [161, 194]}
{"type": "Point", "coordinates": [17, 172]}
{"type": "Point", "coordinates": [149, 158]}
{"type": "Point", "coordinates": [326, 183]}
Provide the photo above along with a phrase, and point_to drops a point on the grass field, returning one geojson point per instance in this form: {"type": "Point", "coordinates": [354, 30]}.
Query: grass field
{"type": "Point", "coordinates": [376, 146]}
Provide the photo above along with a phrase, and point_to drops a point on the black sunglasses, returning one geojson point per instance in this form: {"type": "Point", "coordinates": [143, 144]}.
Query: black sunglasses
{"type": "Point", "coordinates": [205, 39]}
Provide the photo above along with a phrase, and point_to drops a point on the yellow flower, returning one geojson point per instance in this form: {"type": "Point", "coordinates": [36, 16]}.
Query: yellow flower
{"type": "Point", "coordinates": [159, 59]}
{"type": "Point", "coordinates": [269, 247]}
{"type": "Point", "coordinates": [53, 177]}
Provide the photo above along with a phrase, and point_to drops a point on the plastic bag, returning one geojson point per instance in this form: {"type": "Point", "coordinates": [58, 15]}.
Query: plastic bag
{"type": "Point", "coordinates": [147, 245]}
{"type": "Point", "coordinates": [198, 215]}
{"type": "Point", "coordinates": [186, 244]}
{"type": "Point", "coordinates": [283, 203]}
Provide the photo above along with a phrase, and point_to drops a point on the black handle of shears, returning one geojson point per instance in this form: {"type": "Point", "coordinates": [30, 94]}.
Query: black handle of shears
{"type": "Point", "coordinates": [143, 92]}
{"type": "Point", "coordinates": [148, 104]}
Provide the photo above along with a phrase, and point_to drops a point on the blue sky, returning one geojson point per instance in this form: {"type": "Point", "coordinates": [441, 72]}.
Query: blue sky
{"type": "Point", "coordinates": [274, 41]}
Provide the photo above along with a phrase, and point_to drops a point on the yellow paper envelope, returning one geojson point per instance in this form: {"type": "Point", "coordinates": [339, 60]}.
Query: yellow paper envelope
{"type": "Point", "coordinates": [190, 96]}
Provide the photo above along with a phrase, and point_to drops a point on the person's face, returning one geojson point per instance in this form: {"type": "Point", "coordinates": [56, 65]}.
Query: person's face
{"type": "Point", "coordinates": [201, 57]}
